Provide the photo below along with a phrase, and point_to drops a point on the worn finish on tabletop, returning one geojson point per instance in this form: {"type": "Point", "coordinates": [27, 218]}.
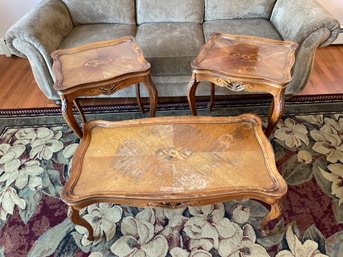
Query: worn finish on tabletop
{"type": "Point", "coordinates": [100, 68]}
{"type": "Point", "coordinates": [244, 63]}
{"type": "Point", "coordinates": [174, 162]}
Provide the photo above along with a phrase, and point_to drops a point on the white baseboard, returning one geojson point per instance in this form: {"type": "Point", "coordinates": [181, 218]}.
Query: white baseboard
{"type": "Point", "coordinates": [3, 48]}
{"type": "Point", "coordinates": [339, 40]}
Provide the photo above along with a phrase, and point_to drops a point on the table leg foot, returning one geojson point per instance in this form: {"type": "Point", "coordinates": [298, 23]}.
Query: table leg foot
{"type": "Point", "coordinates": [275, 212]}
{"type": "Point", "coordinates": [192, 87]}
{"type": "Point", "coordinates": [74, 216]}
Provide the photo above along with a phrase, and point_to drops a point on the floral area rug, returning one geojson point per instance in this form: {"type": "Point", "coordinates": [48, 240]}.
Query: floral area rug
{"type": "Point", "coordinates": [35, 154]}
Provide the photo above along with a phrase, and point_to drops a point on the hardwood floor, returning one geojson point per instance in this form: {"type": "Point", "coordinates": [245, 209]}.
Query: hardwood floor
{"type": "Point", "coordinates": [327, 74]}
{"type": "Point", "coordinates": [19, 90]}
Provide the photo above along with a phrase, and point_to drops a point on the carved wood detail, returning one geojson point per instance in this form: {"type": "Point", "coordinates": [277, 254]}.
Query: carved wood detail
{"type": "Point", "coordinates": [169, 205]}
{"type": "Point", "coordinates": [108, 89]}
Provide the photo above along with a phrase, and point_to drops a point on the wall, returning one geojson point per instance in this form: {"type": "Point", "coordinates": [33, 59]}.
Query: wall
{"type": "Point", "coordinates": [10, 12]}
{"type": "Point", "coordinates": [335, 7]}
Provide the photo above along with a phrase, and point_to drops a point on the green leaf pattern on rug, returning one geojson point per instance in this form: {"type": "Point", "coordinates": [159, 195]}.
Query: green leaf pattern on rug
{"type": "Point", "coordinates": [312, 233]}
{"type": "Point", "coordinates": [295, 172]}
{"type": "Point", "coordinates": [52, 185]}
{"type": "Point", "coordinates": [23, 153]}
{"type": "Point", "coordinates": [49, 241]}
{"type": "Point", "coordinates": [338, 211]}
{"type": "Point", "coordinates": [320, 155]}
{"type": "Point", "coordinates": [32, 200]}
{"type": "Point", "coordinates": [334, 245]}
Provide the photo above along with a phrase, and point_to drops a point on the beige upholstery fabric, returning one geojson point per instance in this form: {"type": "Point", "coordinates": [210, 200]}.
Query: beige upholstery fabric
{"type": "Point", "coordinates": [101, 11]}
{"type": "Point", "coordinates": [250, 27]}
{"type": "Point", "coordinates": [170, 47]}
{"type": "Point", "coordinates": [236, 9]}
{"type": "Point", "coordinates": [85, 34]}
{"type": "Point", "coordinates": [170, 11]}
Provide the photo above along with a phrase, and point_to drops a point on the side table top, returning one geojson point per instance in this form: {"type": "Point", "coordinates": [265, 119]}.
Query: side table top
{"type": "Point", "coordinates": [247, 57]}
{"type": "Point", "coordinates": [96, 62]}
{"type": "Point", "coordinates": [170, 158]}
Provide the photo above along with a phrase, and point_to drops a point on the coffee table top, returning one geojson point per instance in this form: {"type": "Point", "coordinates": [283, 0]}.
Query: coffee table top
{"type": "Point", "coordinates": [158, 161]}
{"type": "Point", "coordinates": [96, 62]}
{"type": "Point", "coordinates": [247, 57]}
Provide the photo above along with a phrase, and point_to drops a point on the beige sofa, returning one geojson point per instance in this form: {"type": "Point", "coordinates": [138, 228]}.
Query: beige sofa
{"type": "Point", "coordinates": [170, 33]}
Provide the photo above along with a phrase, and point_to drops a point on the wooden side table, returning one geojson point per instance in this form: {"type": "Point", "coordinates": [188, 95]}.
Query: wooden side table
{"type": "Point", "coordinates": [172, 162]}
{"type": "Point", "coordinates": [100, 68]}
{"type": "Point", "coordinates": [244, 63]}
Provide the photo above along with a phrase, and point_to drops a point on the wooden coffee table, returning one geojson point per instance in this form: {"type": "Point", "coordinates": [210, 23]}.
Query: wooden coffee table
{"type": "Point", "coordinates": [245, 63]}
{"type": "Point", "coordinates": [173, 162]}
{"type": "Point", "coordinates": [100, 68]}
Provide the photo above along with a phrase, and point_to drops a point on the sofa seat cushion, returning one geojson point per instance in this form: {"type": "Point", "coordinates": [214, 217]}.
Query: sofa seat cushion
{"type": "Point", "coordinates": [170, 47]}
{"type": "Point", "coordinates": [250, 27]}
{"type": "Point", "coordinates": [97, 32]}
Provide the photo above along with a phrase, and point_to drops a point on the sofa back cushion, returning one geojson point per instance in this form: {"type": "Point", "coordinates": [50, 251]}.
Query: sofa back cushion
{"type": "Point", "coordinates": [235, 9]}
{"type": "Point", "coordinates": [170, 11]}
{"type": "Point", "coordinates": [101, 11]}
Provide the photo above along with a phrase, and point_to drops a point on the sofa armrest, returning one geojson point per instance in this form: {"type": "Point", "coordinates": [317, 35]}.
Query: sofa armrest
{"type": "Point", "coordinates": [44, 28]}
{"type": "Point", "coordinates": [297, 20]}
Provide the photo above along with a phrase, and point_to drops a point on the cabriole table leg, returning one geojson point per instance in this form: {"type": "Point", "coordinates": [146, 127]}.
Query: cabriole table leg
{"type": "Point", "coordinates": [211, 103]}
{"type": "Point", "coordinates": [274, 212]}
{"type": "Point", "coordinates": [74, 216]}
{"type": "Point", "coordinates": [138, 97]}
{"type": "Point", "coordinates": [275, 112]}
{"type": "Point", "coordinates": [152, 95]}
{"type": "Point", "coordinates": [192, 87]}
{"type": "Point", "coordinates": [67, 112]}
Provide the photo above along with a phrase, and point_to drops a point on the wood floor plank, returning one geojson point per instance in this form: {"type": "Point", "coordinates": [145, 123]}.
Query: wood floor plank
{"type": "Point", "coordinates": [19, 90]}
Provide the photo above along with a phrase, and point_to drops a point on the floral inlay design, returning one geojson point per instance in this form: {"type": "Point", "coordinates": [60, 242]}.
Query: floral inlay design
{"type": "Point", "coordinates": [247, 57]}
{"type": "Point", "coordinates": [173, 154]}
{"type": "Point", "coordinates": [97, 62]}
{"type": "Point", "coordinates": [231, 85]}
